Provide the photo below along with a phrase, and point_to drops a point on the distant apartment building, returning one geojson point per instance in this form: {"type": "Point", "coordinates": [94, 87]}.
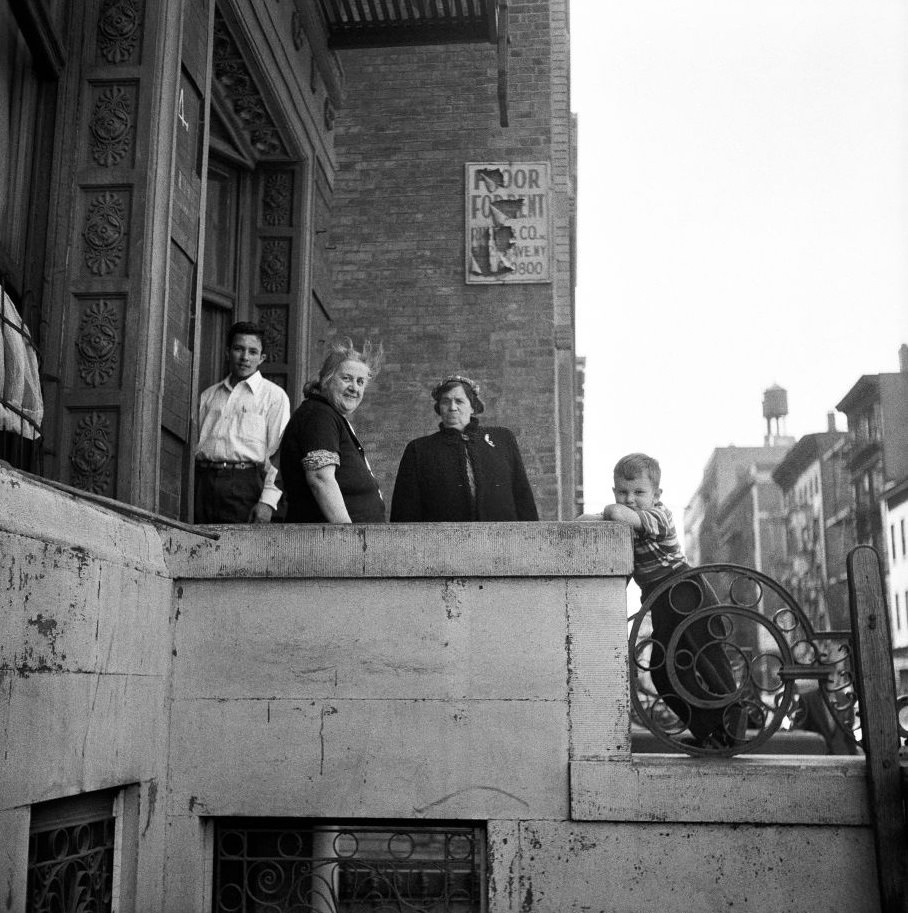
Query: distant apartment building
{"type": "Point", "coordinates": [894, 512]}
{"type": "Point", "coordinates": [728, 519]}
{"type": "Point", "coordinates": [877, 450]}
{"type": "Point", "coordinates": [580, 391]}
{"type": "Point", "coordinates": [819, 526]}
{"type": "Point", "coordinates": [876, 459]}
{"type": "Point", "coordinates": [720, 476]}
{"type": "Point", "coordinates": [751, 522]}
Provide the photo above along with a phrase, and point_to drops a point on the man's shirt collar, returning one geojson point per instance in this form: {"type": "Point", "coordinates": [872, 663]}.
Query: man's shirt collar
{"type": "Point", "coordinates": [254, 381]}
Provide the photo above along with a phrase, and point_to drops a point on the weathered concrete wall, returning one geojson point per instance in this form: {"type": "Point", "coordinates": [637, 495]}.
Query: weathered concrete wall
{"type": "Point", "coordinates": [628, 867]}
{"type": "Point", "coordinates": [439, 689]}
{"type": "Point", "coordinates": [84, 663]}
{"type": "Point", "coordinates": [415, 672]}
{"type": "Point", "coordinates": [479, 673]}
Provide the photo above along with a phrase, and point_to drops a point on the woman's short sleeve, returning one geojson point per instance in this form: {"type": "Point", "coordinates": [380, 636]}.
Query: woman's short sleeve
{"type": "Point", "coordinates": [319, 459]}
{"type": "Point", "coordinates": [320, 433]}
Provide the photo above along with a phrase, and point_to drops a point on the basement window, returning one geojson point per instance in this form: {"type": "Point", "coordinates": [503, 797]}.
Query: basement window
{"type": "Point", "coordinates": [82, 852]}
{"type": "Point", "coordinates": [348, 867]}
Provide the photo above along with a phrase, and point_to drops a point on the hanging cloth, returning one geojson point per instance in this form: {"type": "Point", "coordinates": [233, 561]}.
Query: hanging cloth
{"type": "Point", "coordinates": [21, 390]}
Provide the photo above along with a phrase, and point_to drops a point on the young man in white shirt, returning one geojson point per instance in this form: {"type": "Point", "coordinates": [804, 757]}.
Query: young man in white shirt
{"type": "Point", "coordinates": [241, 420]}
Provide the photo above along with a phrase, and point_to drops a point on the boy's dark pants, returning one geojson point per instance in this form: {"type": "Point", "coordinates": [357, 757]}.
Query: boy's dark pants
{"type": "Point", "coordinates": [707, 673]}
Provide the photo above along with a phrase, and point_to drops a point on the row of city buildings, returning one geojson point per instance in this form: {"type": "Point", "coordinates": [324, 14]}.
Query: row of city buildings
{"type": "Point", "coordinates": [793, 509]}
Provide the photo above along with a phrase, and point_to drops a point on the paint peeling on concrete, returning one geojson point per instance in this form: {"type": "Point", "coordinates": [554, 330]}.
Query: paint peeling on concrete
{"type": "Point", "coordinates": [326, 712]}
{"type": "Point", "coordinates": [527, 904]}
{"type": "Point", "coordinates": [83, 560]}
{"type": "Point", "coordinates": [22, 574]}
{"type": "Point", "coordinates": [29, 662]}
{"type": "Point", "coordinates": [47, 627]}
{"type": "Point", "coordinates": [452, 597]}
{"type": "Point", "coordinates": [361, 535]}
{"type": "Point", "coordinates": [152, 800]}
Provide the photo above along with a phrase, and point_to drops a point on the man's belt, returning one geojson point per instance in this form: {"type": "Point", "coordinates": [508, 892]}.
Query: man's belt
{"type": "Point", "coordinates": [225, 464]}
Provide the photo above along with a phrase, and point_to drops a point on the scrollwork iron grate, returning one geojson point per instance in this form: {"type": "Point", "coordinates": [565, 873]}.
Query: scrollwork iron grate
{"type": "Point", "coordinates": [71, 868]}
{"type": "Point", "coordinates": [309, 868]}
{"type": "Point", "coordinates": [722, 657]}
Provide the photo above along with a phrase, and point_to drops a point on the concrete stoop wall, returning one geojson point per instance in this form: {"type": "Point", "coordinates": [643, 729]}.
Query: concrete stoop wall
{"type": "Point", "coordinates": [84, 666]}
{"type": "Point", "coordinates": [470, 672]}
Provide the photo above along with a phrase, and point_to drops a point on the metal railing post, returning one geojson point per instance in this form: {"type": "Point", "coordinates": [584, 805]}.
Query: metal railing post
{"type": "Point", "coordinates": [879, 724]}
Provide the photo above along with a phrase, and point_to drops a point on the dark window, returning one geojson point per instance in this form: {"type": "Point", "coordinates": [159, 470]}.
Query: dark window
{"type": "Point", "coordinates": [352, 867]}
{"type": "Point", "coordinates": [71, 855]}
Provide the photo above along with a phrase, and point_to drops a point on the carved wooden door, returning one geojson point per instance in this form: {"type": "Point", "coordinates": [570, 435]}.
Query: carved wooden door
{"type": "Point", "coordinates": [223, 272]}
{"type": "Point", "coordinates": [179, 390]}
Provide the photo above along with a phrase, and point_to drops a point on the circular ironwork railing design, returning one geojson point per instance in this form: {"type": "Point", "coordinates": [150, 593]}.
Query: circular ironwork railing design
{"type": "Point", "coordinates": [313, 869]}
{"type": "Point", "coordinates": [722, 657]}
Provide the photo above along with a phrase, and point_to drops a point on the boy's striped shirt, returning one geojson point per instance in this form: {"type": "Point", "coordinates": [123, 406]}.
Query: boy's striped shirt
{"type": "Point", "coordinates": [657, 551]}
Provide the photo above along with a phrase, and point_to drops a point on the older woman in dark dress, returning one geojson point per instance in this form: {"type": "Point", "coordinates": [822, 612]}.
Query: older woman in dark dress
{"type": "Point", "coordinates": [327, 478]}
{"type": "Point", "coordinates": [462, 472]}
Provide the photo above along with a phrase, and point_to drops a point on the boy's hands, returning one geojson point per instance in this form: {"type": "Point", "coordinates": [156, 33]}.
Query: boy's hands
{"type": "Point", "coordinates": [617, 512]}
{"type": "Point", "coordinates": [622, 514]}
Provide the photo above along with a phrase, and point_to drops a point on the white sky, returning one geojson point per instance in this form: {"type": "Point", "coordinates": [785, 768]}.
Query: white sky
{"type": "Point", "coordinates": [741, 219]}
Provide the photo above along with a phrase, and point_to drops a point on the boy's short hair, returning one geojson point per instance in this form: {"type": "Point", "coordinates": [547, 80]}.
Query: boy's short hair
{"type": "Point", "coordinates": [245, 328]}
{"type": "Point", "coordinates": [638, 464]}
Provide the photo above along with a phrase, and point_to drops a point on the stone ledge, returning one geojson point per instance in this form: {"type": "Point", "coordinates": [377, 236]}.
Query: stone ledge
{"type": "Point", "coordinates": [748, 789]}
{"type": "Point", "coordinates": [42, 512]}
{"type": "Point", "coordinates": [545, 549]}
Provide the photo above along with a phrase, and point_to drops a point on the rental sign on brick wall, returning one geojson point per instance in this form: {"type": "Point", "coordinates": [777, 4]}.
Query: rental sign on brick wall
{"type": "Point", "coordinates": [508, 230]}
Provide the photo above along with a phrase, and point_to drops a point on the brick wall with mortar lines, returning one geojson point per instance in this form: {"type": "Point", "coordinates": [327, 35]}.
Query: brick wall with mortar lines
{"type": "Point", "coordinates": [412, 118]}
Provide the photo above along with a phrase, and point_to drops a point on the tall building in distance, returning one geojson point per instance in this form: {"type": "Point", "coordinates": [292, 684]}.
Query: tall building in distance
{"type": "Point", "coordinates": [877, 452]}
{"type": "Point", "coordinates": [794, 510]}
{"type": "Point", "coordinates": [816, 503]}
{"type": "Point", "coordinates": [877, 462]}
{"type": "Point", "coordinates": [735, 513]}
{"type": "Point", "coordinates": [895, 522]}
{"type": "Point", "coordinates": [579, 399]}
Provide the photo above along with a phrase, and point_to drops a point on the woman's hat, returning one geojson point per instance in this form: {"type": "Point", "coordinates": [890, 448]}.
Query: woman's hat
{"type": "Point", "coordinates": [470, 386]}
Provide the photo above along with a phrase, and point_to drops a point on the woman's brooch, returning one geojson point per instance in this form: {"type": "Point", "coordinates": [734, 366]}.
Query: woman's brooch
{"type": "Point", "coordinates": [489, 441]}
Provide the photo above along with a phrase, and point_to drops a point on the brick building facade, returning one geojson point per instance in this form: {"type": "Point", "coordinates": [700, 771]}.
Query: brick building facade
{"type": "Point", "coordinates": [411, 120]}
{"type": "Point", "coordinates": [179, 166]}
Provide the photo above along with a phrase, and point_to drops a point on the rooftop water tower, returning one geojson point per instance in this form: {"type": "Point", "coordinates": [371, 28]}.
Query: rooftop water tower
{"type": "Point", "coordinates": [775, 409]}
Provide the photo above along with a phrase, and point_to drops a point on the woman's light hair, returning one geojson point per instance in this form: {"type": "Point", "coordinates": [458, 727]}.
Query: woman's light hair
{"type": "Point", "coordinates": [341, 349]}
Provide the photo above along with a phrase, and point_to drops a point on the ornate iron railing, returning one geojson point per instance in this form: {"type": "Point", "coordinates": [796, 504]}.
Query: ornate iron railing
{"type": "Point", "coordinates": [71, 868]}
{"type": "Point", "coordinates": [309, 868]}
{"type": "Point", "coordinates": [722, 658]}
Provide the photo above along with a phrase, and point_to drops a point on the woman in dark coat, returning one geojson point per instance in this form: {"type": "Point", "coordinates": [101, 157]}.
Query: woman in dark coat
{"type": "Point", "coordinates": [462, 472]}
{"type": "Point", "coordinates": [327, 478]}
